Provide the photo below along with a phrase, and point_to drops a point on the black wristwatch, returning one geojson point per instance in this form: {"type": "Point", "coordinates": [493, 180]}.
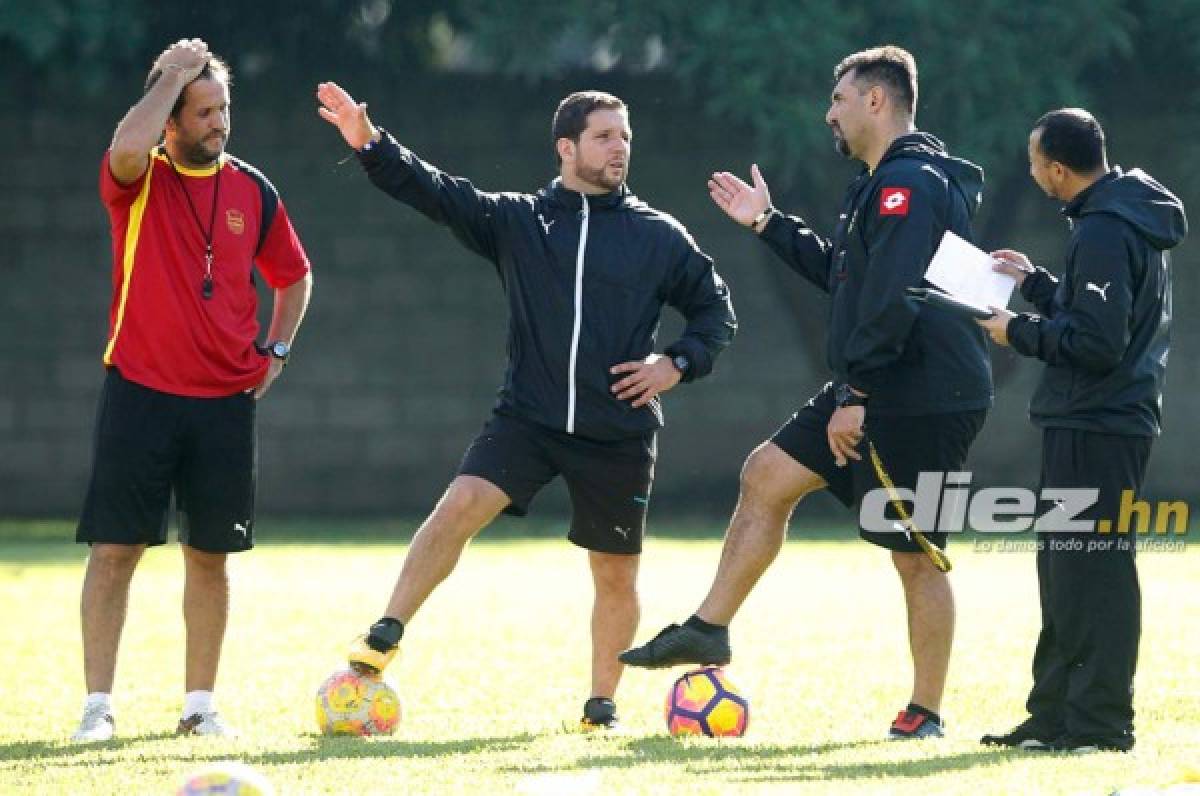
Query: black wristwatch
{"type": "Point", "coordinates": [681, 363]}
{"type": "Point", "coordinates": [280, 350]}
{"type": "Point", "coordinates": [843, 396]}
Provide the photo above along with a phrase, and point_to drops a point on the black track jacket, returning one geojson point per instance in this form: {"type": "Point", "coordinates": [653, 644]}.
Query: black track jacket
{"type": "Point", "coordinates": [1104, 327]}
{"type": "Point", "coordinates": [586, 279]}
{"type": "Point", "coordinates": [911, 359]}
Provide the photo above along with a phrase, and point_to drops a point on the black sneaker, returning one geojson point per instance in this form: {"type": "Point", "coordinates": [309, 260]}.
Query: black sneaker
{"type": "Point", "coordinates": [599, 713]}
{"type": "Point", "coordinates": [914, 725]}
{"type": "Point", "coordinates": [678, 644]}
{"type": "Point", "coordinates": [1028, 735]}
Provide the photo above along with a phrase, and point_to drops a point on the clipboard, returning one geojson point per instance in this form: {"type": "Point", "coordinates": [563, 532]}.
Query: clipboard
{"type": "Point", "coordinates": [936, 298]}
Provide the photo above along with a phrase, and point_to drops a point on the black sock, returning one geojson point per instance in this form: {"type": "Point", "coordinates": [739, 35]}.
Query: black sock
{"type": "Point", "coordinates": [600, 709]}
{"type": "Point", "coordinates": [707, 628]}
{"type": "Point", "coordinates": [913, 707]}
{"type": "Point", "coordinates": [385, 634]}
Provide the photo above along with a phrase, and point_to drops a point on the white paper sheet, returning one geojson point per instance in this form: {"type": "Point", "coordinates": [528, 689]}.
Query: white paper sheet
{"type": "Point", "coordinates": [965, 272]}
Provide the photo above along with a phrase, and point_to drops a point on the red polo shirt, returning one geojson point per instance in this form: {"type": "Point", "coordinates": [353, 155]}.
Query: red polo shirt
{"type": "Point", "coordinates": [162, 333]}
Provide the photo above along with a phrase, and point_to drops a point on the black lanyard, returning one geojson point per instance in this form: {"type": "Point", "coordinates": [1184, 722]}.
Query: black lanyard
{"type": "Point", "coordinates": [206, 288]}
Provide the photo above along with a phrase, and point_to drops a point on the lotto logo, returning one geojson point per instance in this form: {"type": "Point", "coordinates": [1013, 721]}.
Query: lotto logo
{"type": "Point", "coordinates": [894, 201]}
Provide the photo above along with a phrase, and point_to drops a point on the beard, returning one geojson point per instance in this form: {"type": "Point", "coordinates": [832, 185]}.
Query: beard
{"type": "Point", "coordinates": [205, 151]}
{"type": "Point", "coordinates": [601, 176]}
{"type": "Point", "coordinates": [840, 144]}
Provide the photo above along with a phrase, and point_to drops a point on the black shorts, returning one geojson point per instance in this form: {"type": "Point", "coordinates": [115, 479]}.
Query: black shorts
{"type": "Point", "coordinates": [609, 482]}
{"type": "Point", "coordinates": [149, 444]}
{"type": "Point", "coordinates": [907, 446]}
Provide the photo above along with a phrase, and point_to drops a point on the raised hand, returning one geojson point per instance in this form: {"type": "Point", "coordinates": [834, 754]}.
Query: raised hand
{"type": "Point", "coordinates": [186, 57]}
{"type": "Point", "coordinates": [741, 202]}
{"type": "Point", "coordinates": [349, 117]}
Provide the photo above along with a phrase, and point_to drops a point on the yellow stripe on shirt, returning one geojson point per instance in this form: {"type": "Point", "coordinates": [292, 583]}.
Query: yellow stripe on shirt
{"type": "Point", "coordinates": [136, 211]}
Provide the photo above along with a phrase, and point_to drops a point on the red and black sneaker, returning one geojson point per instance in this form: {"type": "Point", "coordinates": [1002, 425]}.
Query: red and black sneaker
{"type": "Point", "coordinates": [915, 723]}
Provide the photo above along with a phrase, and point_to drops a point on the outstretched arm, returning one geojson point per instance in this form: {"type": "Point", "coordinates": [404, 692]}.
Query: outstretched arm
{"type": "Point", "coordinates": [349, 117]}
{"type": "Point", "coordinates": [805, 252]}
{"type": "Point", "coordinates": [470, 214]}
{"type": "Point", "coordinates": [142, 127]}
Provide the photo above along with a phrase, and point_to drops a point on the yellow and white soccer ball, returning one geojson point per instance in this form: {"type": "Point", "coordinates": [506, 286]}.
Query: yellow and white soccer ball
{"type": "Point", "coordinates": [228, 778]}
{"type": "Point", "coordinates": [349, 703]}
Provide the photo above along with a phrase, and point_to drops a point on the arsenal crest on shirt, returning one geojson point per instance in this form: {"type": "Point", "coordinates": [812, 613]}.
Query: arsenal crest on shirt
{"type": "Point", "coordinates": [235, 220]}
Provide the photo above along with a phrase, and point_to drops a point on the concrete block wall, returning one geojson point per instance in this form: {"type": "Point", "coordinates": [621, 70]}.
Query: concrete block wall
{"type": "Point", "coordinates": [397, 364]}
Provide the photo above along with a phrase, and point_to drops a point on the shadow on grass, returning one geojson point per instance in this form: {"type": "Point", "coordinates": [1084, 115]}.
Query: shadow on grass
{"type": "Point", "coordinates": [321, 748]}
{"type": "Point", "coordinates": [662, 749]}
{"type": "Point", "coordinates": [42, 750]}
{"type": "Point", "coordinates": [764, 772]}
{"type": "Point", "coordinates": [758, 763]}
{"type": "Point", "coordinates": [325, 748]}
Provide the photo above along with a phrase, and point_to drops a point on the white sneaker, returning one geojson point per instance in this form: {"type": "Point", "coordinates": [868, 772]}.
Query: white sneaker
{"type": "Point", "coordinates": [96, 725]}
{"type": "Point", "coordinates": [205, 724]}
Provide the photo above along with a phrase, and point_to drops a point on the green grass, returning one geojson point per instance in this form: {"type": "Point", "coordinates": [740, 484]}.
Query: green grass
{"type": "Point", "coordinates": [497, 661]}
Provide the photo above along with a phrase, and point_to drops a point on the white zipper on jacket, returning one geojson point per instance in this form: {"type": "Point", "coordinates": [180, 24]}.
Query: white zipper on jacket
{"type": "Point", "coordinates": [583, 232]}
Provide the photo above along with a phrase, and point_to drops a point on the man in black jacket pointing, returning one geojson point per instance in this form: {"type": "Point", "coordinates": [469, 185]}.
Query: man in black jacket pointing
{"type": "Point", "coordinates": [587, 268]}
{"type": "Point", "coordinates": [914, 381]}
{"type": "Point", "coordinates": [1103, 332]}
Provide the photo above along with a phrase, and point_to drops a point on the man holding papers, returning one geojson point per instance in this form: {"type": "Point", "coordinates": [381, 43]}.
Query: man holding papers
{"type": "Point", "coordinates": [911, 383]}
{"type": "Point", "coordinates": [1102, 330]}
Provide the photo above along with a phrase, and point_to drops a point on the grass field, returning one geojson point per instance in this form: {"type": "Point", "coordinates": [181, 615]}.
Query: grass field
{"type": "Point", "coordinates": [498, 661]}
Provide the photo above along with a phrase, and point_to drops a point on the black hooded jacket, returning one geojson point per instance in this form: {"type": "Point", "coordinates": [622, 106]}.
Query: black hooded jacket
{"type": "Point", "coordinates": [586, 279]}
{"type": "Point", "coordinates": [1104, 328]}
{"type": "Point", "coordinates": [911, 359]}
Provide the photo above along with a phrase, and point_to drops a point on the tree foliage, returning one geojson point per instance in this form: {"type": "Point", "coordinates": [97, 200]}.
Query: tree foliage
{"type": "Point", "coordinates": [986, 69]}
{"type": "Point", "coordinates": [769, 65]}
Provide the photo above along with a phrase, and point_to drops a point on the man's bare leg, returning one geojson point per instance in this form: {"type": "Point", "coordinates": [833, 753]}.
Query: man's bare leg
{"type": "Point", "coordinates": [102, 608]}
{"type": "Point", "coordinates": [615, 614]}
{"type": "Point", "coordinates": [930, 603]}
{"type": "Point", "coordinates": [772, 483]}
{"type": "Point", "coordinates": [205, 614]}
{"type": "Point", "coordinates": [468, 506]}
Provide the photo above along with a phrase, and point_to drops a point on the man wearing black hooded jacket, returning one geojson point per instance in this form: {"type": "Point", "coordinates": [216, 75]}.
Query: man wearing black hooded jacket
{"type": "Point", "coordinates": [1103, 332]}
{"type": "Point", "coordinates": [913, 380]}
{"type": "Point", "coordinates": [586, 268]}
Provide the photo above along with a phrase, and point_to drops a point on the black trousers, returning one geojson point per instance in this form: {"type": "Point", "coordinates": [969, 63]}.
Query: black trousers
{"type": "Point", "coordinates": [1086, 654]}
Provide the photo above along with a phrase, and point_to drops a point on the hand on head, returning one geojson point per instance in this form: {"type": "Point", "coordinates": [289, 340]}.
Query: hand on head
{"type": "Point", "coordinates": [186, 56]}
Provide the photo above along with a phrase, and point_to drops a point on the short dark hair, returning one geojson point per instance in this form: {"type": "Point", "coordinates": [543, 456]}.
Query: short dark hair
{"type": "Point", "coordinates": [570, 120]}
{"type": "Point", "coordinates": [214, 69]}
{"type": "Point", "coordinates": [1072, 137]}
{"type": "Point", "coordinates": [890, 66]}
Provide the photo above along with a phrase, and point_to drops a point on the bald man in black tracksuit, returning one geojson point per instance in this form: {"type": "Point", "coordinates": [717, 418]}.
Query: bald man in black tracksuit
{"type": "Point", "coordinates": [1102, 330]}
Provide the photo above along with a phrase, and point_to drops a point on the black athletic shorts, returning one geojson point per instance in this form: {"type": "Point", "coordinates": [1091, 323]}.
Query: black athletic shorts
{"type": "Point", "coordinates": [609, 482]}
{"type": "Point", "coordinates": [907, 446]}
{"type": "Point", "coordinates": [149, 444]}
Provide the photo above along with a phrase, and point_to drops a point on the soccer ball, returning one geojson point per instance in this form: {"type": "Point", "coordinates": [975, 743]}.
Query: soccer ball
{"type": "Point", "coordinates": [705, 702]}
{"type": "Point", "coordinates": [349, 703]}
{"type": "Point", "coordinates": [234, 779]}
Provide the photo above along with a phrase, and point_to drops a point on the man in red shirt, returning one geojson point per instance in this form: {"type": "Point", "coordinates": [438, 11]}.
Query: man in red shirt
{"type": "Point", "coordinates": [177, 412]}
